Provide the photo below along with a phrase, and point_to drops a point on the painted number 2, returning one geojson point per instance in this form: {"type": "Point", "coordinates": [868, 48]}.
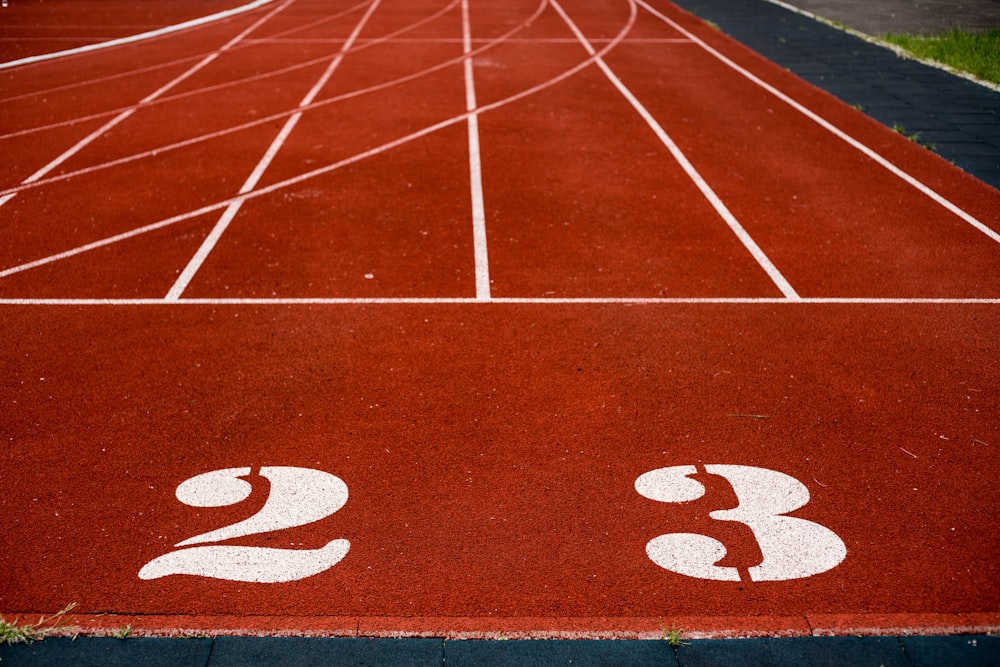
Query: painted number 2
{"type": "Point", "coordinates": [298, 496]}
{"type": "Point", "coordinates": [792, 548]}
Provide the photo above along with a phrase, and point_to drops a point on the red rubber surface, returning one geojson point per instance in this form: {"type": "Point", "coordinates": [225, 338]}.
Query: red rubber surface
{"type": "Point", "coordinates": [490, 443]}
{"type": "Point", "coordinates": [35, 27]}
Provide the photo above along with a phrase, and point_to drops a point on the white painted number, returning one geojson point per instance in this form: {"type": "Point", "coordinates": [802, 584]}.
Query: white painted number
{"type": "Point", "coordinates": [792, 548]}
{"type": "Point", "coordinates": [298, 496]}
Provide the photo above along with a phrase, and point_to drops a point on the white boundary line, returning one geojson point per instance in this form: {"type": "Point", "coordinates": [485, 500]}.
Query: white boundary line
{"type": "Point", "coordinates": [475, 165]}
{"type": "Point", "coordinates": [265, 120]}
{"type": "Point", "coordinates": [446, 300]}
{"type": "Point", "coordinates": [83, 143]}
{"type": "Point", "coordinates": [498, 301]}
{"type": "Point", "coordinates": [706, 190]}
{"type": "Point", "coordinates": [166, 30]}
{"type": "Point", "coordinates": [830, 127]}
{"type": "Point", "coordinates": [230, 83]}
{"type": "Point", "coordinates": [42, 92]}
{"type": "Point", "coordinates": [329, 168]}
{"type": "Point", "coordinates": [187, 275]}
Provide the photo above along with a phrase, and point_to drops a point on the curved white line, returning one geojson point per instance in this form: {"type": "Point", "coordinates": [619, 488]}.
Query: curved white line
{"type": "Point", "coordinates": [699, 181]}
{"type": "Point", "coordinates": [237, 82]}
{"type": "Point", "coordinates": [193, 23]}
{"type": "Point", "coordinates": [295, 180]}
{"type": "Point", "coordinates": [864, 149]}
{"type": "Point", "coordinates": [209, 243]}
{"type": "Point", "coordinates": [159, 92]}
{"type": "Point", "coordinates": [165, 65]}
{"type": "Point", "coordinates": [264, 120]}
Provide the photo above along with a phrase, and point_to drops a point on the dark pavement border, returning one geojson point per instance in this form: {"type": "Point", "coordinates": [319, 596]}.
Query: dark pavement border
{"type": "Point", "coordinates": [965, 650]}
{"type": "Point", "coordinates": [959, 117]}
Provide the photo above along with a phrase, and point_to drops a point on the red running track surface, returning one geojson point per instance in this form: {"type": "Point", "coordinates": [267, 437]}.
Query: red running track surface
{"type": "Point", "coordinates": [419, 294]}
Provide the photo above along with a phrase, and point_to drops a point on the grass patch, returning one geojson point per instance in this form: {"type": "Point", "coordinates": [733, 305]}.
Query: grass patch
{"type": "Point", "coordinates": [673, 635]}
{"type": "Point", "coordinates": [14, 632]}
{"type": "Point", "coordinates": [977, 53]}
{"type": "Point", "coordinates": [914, 137]}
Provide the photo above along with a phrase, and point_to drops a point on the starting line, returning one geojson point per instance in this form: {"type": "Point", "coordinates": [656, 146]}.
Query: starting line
{"type": "Point", "coordinates": [492, 300]}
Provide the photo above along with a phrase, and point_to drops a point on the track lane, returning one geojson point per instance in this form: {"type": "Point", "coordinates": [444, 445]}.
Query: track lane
{"type": "Point", "coordinates": [398, 226]}
{"type": "Point", "coordinates": [566, 409]}
{"type": "Point", "coordinates": [491, 449]}
{"type": "Point", "coordinates": [835, 219]}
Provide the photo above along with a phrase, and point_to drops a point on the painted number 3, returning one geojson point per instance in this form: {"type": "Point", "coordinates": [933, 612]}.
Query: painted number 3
{"type": "Point", "coordinates": [298, 496]}
{"type": "Point", "coordinates": [792, 548]}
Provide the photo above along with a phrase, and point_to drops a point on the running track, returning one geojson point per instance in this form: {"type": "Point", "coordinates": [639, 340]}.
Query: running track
{"type": "Point", "coordinates": [428, 289]}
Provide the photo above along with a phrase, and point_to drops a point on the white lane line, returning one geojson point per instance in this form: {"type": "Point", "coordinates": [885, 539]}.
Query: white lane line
{"type": "Point", "coordinates": [624, 301]}
{"type": "Point", "coordinates": [166, 30]}
{"type": "Point", "coordinates": [480, 40]}
{"type": "Point", "coordinates": [236, 82]}
{"type": "Point", "coordinates": [188, 274]}
{"type": "Point", "coordinates": [475, 165]}
{"type": "Point", "coordinates": [172, 63]}
{"type": "Point", "coordinates": [329, 168]}
{"type": "Point", "coordinates": [80, 145]}
{"type": "Point", "coordinates": [266, 120]}
{"type": "Point", "coordinates": [706, 190]}
{"type": "Point", "coordinates": [833, 129]}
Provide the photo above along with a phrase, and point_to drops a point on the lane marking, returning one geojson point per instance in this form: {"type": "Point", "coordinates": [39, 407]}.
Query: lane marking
{"type": "Point", "coordinates": [554, 301]}
{"type": "Point", "coordinates": [187, 275]}
{"type": "Point", "coordinates": [830, 127]}
{"type": "Point", "coordinates": [80, 145]}
{"type": "Point", "coordinates": [180, 61]}
{"type": "Point", "coordinates": [249, 79]}
{"type": "Point", "coordinates": [329, 168]}
{"type": "Point", "coordinates": [790, 547]}
{"type": "Point", "coordinates": [166, 30]}
{"type": "Point", "coordinates": [296, 497]}
{"type": "Point", "coordinates": [251, 124]}
{"type": "Point", "coordinates": [475, 164]}
{"type": "Point", "coordinates": [706, 190]}
{"type": "Point", "coordinates": [480, 40]}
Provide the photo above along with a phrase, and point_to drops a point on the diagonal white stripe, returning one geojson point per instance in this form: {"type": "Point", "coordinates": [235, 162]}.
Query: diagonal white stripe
{"type": "Point", "coordinates": [699, 181]}
{"type": "Point", "coordinates": [80, 145]}
{"type": "Point", "coordinates": [159, 32]}
{"type": "Point", "coordinates": [189, 272]}
{"type": "Point", "coordinates": [833, 129]}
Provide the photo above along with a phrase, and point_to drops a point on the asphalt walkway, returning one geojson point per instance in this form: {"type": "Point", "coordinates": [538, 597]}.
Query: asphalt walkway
{"type": "Point", "coordinates": [967, 651]}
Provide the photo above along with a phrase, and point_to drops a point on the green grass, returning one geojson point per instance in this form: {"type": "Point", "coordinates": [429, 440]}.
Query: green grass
{"type": "Point", "coordinates": [15, 632]}
{"type": "Point", "coordinates": [673, 635]}
{"type": "Point", "coordinates": [914, 137]}
{"type": "Point", "coordinates": [977, 53]}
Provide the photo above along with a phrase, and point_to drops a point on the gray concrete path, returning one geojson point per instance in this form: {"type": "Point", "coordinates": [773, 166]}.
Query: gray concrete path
{"type": "Point", "coordinates": [928, 17]}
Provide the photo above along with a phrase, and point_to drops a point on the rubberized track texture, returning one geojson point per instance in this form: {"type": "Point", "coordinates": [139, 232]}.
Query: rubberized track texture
{"type": "Point", "coordinates": [530, 318]}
